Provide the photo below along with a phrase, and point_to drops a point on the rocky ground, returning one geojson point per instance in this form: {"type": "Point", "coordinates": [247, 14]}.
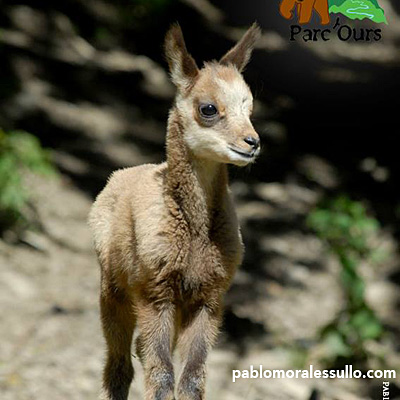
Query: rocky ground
{"type": "Point", "coordinates": [52, 347]}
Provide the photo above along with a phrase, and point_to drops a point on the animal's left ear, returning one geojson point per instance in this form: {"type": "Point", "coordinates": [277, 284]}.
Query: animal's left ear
{"type": "Point", "coordinates": [240, 54]}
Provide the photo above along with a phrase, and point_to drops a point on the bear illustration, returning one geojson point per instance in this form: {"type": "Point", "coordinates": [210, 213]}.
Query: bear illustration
{"type": "Point", "coordinates": [305, 9]}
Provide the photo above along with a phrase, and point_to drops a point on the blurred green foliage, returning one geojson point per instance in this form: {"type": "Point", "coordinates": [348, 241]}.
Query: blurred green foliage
{"type": "Point", "coordinates": [347, 229]}
{"type": "Point", "coordinates": [20, 152]}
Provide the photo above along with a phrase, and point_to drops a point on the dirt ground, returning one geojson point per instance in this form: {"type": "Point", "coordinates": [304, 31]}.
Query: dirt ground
{"type": "Point", "coordinates": [52, 346]}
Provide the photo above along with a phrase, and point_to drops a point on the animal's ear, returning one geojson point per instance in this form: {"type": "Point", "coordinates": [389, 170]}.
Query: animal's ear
{"type": "Point", "coordinates": [182, 66]}
{"type": "Point", "coordinates": [240, 54]}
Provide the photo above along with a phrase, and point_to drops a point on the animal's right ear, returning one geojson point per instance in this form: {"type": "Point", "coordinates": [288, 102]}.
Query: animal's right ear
{"type": "Point", "coordinates": [182, 66]}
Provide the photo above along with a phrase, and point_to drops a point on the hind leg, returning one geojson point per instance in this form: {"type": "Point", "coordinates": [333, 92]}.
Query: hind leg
{"type": "Point", "coordinates": [118, 324]}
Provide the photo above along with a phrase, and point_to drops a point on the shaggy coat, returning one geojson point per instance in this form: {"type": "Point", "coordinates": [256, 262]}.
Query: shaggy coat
{"type": "Point", "coordinates": [167, 236]}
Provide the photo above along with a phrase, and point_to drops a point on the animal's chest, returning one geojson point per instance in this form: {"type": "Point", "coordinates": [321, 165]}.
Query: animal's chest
{"type": "Point", "coordinates": [199, 266]}
{"type": "Point", "coordinates": [195, 254]}
{"type": "Point", "coordinates": [185, 263]}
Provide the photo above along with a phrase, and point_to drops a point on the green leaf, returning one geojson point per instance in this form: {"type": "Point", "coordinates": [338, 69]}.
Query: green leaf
{"type": "Point", "coordinates": [20, 152]}
{"type": "Point", "coordinates": [336, 345]}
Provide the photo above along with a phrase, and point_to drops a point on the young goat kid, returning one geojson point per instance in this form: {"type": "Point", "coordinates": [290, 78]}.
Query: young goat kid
{"type": "Point", "coordinates": [167, 235]}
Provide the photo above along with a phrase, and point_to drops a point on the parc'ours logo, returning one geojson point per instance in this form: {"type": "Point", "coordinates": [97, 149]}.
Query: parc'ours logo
{"type": "Point", "coordinates": [353, 9]}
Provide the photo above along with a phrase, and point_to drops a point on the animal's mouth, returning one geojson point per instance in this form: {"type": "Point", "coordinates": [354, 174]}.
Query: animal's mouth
{"type": "Point", "coordinates": [249, 155]}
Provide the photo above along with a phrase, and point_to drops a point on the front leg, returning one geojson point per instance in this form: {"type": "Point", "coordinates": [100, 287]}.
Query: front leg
{"type": "Point", "coordinates": [154, 349]}
{"type": "Point", "coordinates": [198, 336]}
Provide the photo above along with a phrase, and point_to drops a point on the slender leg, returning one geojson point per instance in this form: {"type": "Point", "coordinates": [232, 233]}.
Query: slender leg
{"type": "Point", "coordinates": [118, 324]}
{"type": "Point", "coordinates": [322, 8]}
{"type": "Point", "coordinates": [154, 349]}
{"type": "Point", "coordinates": [194, 344]}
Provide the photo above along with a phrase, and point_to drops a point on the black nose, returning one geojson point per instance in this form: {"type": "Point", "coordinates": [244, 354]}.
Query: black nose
{"type": "Point", "coordinates": [252, 141]}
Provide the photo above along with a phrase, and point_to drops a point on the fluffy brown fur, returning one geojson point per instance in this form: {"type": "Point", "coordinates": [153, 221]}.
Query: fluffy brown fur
{"type": "Point", "coordinates": [167, 236]}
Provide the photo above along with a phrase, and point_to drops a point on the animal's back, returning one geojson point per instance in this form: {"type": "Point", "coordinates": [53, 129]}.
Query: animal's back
{"type": "Point", "coordinates": [128, 193]}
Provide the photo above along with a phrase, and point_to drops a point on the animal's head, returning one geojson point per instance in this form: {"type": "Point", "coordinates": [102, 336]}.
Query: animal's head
{"type": "Point", "coordinates": [214, 102]}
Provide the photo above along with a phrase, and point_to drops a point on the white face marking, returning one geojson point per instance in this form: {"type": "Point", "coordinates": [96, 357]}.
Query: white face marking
{"type": "Point", "coordinates": [236, 96]}
{"type": "Point", "coordinates": [216, 141]}
{"type": "Point", "coordinates": [206, 144]}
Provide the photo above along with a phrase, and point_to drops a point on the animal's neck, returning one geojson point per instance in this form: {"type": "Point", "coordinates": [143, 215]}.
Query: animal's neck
{"type": "Point", "coordinates": [197, 187]}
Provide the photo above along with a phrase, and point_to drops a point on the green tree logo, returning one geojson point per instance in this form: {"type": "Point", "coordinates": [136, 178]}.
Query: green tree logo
{"type": "Point", "coordinates": [358, 9]}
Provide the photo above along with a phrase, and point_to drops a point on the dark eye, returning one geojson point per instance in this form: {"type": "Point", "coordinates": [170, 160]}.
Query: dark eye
{"type": "Point", "coordinates": [208, 110]}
